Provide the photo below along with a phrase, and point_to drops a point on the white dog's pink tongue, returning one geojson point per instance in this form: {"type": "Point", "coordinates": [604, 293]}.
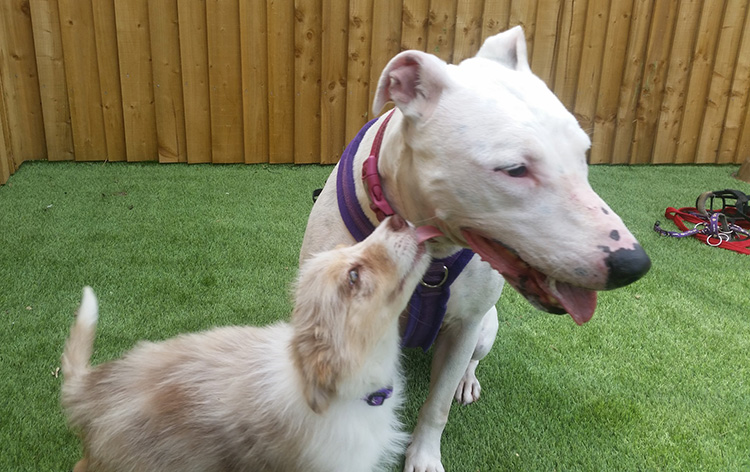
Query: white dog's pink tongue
{"type": "Point", "coordinates": [427, 232]}
{"type": "Point", "coordinates": [554, 296]}
{"type": "Point", "coordinates": [578, 302]}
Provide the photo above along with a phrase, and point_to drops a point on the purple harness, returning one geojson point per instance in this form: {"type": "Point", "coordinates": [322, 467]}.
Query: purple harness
{"type": "Point", "coordinates": [428, 304]}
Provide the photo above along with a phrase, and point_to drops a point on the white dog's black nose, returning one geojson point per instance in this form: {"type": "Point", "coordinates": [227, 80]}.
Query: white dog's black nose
{"type": "Point", "coordinates": [626, 266]}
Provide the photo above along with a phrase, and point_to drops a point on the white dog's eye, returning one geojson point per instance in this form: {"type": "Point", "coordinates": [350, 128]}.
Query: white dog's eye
{"type": "Point", "coordinates": [517, 171]}
{"type": "Point", "coordinates": [353, 276]}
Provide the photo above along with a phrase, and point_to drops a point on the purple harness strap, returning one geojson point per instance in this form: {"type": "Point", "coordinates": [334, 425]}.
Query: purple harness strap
{"type": "Point", "coordinates": [428, 304]}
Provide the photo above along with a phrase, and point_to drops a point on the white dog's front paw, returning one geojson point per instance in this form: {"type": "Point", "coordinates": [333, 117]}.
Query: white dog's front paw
{"type": "Point", "coordinates": [421, 460]}
{"type": "Point", "coordinates": [423, 464]}
{"type": "Point", "coordinates": [469, 389]}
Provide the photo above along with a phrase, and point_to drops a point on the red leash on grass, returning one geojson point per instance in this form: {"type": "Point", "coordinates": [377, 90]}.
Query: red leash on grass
{"type": "Point", "coordinates": [728, 227]}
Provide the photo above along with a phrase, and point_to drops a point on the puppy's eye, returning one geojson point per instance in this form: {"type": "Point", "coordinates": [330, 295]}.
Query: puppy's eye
{"type": "Point", "coordinates": [516, 171]}
{"type": "Point", "coordinates": [353, 277]}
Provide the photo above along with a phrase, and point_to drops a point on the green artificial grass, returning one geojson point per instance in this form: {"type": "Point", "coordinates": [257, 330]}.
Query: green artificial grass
{"type": "Point", "coordinates": [657, 380]}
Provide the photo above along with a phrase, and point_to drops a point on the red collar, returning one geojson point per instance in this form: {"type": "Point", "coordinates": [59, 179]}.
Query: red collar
{"type": "Point", "coordinates": [371, 178]}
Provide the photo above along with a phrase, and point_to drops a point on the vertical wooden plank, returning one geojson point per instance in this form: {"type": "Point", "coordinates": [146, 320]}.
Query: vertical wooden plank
{"type": "Point", "coordinates": [386, 40]}
{"type": "Point", "coordinates": [700, 76]}
{"type": "Point", "coordinates": [591, 64]}
{"type": "Point", "coordinates": [441, 29]}
{"type": "Point", "coordinates": [194, 61]}
{"type": "Point", "coordinates": [136, 79]}
{"type": "Point", "coordinates": [721, 82]}
{"type": "Point", "coordinates": [45, 17]}
{"type": "Point", "coordinates": [631, 81]}
{"type": "Point", "coordinates": [468, 37]}
{"type": "Point", "coordinates": [668, 128]}
{"type": "Point", "coordinates": [414, 21]}
{"type": "Point", "coordinates": [107, 56]}
{"type": "Point", "coordinates": [569, 50]}
{"type": "Point", "coordinates": [82, 79]}
{"type": "Point", "coordinates": [609, 91]}
{"type": "Point", "coordinates": [523, 12]}
{"type": "Point", "coordinates": [652, 87]}
{"type": "Point", "coordinates": [225, 80]}
{"type": "Point", "coordinates": [280, 80]}
{"type": "Point", "coordinates": [738, 103]}
{"type": "Point", "coordinates": [495, 17]}
{"type": "Point", "coordinates": [165, 51]}
{"type": "Point", "coordinates": [358, 67]}
{"type": "Point", "coordinates": [254, 80]}
{"type": "Point", "coordinates": [547, 33]}
{"type": "Point", "coordinates": [333, 81]}
{"type": "Point", "coordinates": [307, 64]}
{"type": "Point", "coordinates": [743, 143]}
{"type": "Point", "coordinates": [20, 82]}
{"type": "Point", "coordinates": [6, 156]}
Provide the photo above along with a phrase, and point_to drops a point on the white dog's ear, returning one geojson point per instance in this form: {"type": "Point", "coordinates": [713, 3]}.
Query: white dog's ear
{"type": "Point", "coordinates": [508, 48]}
{"type": "Point", "coordinates": [414, 81]}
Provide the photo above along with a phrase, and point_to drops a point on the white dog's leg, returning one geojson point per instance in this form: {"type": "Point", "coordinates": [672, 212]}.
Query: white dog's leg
{"type": "Point", "coordinates": [469, 388]}
{"type": "Point", "coordinates": [453, 350]}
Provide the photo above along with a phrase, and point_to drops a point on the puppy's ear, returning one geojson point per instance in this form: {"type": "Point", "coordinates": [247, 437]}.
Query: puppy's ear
{"type": "Point", "coordinates": [318, 347]}
{"type": "Point", "coordinates": [414, 81]}
{"type": "Point", "coordinates": [508, 48]}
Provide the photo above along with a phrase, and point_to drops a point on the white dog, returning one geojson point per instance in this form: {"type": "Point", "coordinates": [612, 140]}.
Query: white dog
{"type": "Point", "coordinates": [320, 394]}
{"type": "Point", "coordinates": [485, 154]}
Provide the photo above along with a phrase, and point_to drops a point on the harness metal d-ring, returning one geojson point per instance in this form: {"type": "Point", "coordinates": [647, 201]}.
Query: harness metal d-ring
{"type": "Point", "coordinates": [439, 284]}
{"type": "Point", "coordinates": [708, 240]}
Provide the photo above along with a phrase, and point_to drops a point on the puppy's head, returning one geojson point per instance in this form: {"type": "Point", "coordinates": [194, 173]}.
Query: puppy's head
{"type": "Point", "coordinates": [347, 299]}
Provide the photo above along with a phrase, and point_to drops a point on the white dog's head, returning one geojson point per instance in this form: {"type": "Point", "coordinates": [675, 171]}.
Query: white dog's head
{"type": "Point", "coordinates": [501, 168]}
{"type": "Point", "coordinates": [348, 299]}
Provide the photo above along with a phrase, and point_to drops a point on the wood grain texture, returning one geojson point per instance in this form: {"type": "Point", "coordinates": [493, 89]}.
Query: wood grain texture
{"type": "Point", "coordinates": [280, 80]}
{"type": "Point", "coordinates": [110, 89]}
{"type": "Point", "coordinates": [358, 66]}
{"type": "Point", "coordinates": [652, 87]}
{"type": "Point", "coordinates": [673, 103]}
{"type": "Point", "coordinates": [23, 104]}
{"type": "Point", "coordinates": [254, 37]}
{"type": "Point", "coordinates": [225, 81]}
{"type": "Point", "coordinates": [307, 75]}
{"type": "Point", "coordinates": [292, 81]}
{"type": "Point", "coordinates": [168, 98]}
{"type": "Point", "coordinates": [717, 100]}
{"type": "Point", "coordinates": [136, 79]}
{"type": "Point", "coordinates": [730, 149]}
{"type": "Point", "coordinates": [53, 86]}
{"type": "Point", "coordinates": [333, 81]}
{"type": "Point", "coordinates": [613, 63]}
{"type": "Point", "coordinates": [195, 84]}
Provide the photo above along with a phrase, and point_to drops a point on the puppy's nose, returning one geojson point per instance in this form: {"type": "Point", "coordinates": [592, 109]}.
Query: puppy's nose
{"type": "Point", "coordinates": [626, 266]}
{"type": "Point", "coordinates": [396, 223]}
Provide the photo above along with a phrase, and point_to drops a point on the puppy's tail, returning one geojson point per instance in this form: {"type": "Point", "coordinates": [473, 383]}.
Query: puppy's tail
{"type": "Point", "coordinates": [78, 348]}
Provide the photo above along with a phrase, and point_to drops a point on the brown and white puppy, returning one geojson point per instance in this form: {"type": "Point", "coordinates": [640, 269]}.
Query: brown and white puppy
{"type": "Point", "coordinates": [308, 395]}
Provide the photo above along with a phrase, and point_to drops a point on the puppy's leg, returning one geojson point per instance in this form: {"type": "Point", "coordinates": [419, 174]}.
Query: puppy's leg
{"type": "Point", "coordinates": [469, 388]}
{"type": "Point", "coordinates": [453, 349]}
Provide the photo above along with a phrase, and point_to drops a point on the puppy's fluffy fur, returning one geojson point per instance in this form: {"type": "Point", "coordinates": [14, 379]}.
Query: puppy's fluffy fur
{"type": "Point", "coordinates": [280, 398]}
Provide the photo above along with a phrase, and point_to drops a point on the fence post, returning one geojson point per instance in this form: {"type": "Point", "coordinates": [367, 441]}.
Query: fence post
{"type": "Point", "coordinates": [744, 172]}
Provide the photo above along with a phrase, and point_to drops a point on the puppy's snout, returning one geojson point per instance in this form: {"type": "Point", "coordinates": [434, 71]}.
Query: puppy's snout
{"type": "Point", "coordinates": [397, 223]}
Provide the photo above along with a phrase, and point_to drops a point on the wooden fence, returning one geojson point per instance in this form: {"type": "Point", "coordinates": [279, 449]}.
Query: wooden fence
{"type": "Point", "coordinates": [653, 81]}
